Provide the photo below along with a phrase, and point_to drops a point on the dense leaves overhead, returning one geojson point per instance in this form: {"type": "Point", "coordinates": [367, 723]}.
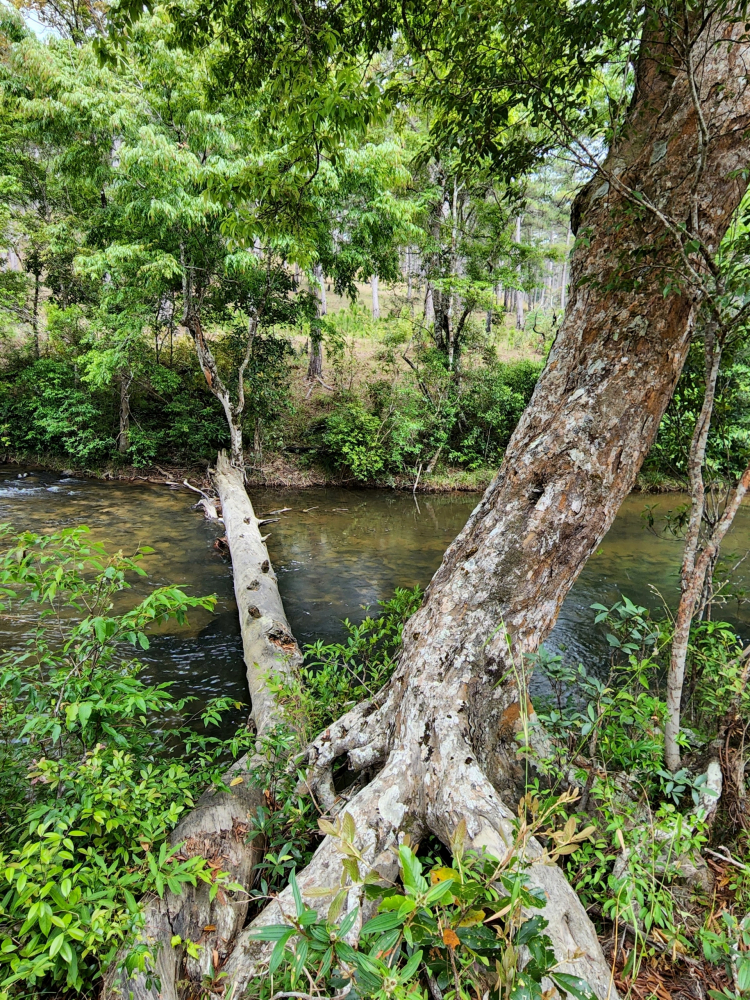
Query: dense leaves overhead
{"type": "Point", "coordinates": [505, 81]}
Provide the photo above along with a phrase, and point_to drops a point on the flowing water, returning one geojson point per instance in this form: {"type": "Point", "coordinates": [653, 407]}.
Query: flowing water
{"type": "Point", "coordinates": [334, 551]}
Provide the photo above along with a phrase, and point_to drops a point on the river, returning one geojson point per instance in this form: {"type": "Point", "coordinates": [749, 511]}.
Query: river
{"type": "Point", "coordinates": [334, 551]}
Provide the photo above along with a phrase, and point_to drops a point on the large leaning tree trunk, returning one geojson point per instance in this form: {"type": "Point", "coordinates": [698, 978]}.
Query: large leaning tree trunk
{"type": "Point", "coordinates": [439, 743]}
{"type": "Point", "coordinates": [216, 829]}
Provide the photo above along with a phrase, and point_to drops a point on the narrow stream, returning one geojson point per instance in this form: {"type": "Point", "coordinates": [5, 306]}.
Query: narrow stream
{"type": "Point", "coordinates": [334, 551]}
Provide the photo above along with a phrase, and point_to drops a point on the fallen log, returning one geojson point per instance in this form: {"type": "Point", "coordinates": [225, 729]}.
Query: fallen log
{"type": "Point", "coordinates": [216, 828]}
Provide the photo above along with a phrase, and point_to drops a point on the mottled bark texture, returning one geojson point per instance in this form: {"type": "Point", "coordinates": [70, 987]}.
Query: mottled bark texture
{"type": "Point", "coordinates": [216, 829]}
{"type": "Point", "coordinates": [123, 438]}
{"type": "Point", "coordinates": [440, 741]}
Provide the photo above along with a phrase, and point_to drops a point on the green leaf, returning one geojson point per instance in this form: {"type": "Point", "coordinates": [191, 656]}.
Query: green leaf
{"type": "Point", "coordinates": [277, 954]}
{"type": "Point", "coordinates": [274, 932]}
{"type": "Point", "coordinates": [56, 945]}
{"type": "Point", "coordinates": [410, 968]}
{"type": "Point", "coordinates": [383, 922]}
{"type": "Point", "coordinates": [348, 922]}
{"type": "Point", "coordinates": [573, 986]}
{"type": "Point", "coordinates": [296, 894]}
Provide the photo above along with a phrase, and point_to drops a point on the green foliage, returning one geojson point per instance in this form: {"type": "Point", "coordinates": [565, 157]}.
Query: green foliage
{"type": "Point", "coordinates": [90, 788]}
{"type": "Point", "coordinates": [336, 676]}
{"type": "Point", "coordinates": [449, 925]}
{"type": "Point", "coordinates": [619, 721]}
{"type": "Point", "coordinates": [726, 942]}
{"type": "Point", "coordinates": [47, 408]}
{"type": "Point", "coordinates": [470, 419]}
{"type": "Point", "coordinates": [609, 736]}
{"type": "Point", "coordinates": [728, 446]}
{"type": "Point", "coordinates": [354, 438]}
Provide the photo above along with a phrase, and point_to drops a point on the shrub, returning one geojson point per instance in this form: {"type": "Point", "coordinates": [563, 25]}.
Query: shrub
{"type": "Point", "coordinates": [354, 440]}
{"type": "Point", "coordinates": [90, 786]}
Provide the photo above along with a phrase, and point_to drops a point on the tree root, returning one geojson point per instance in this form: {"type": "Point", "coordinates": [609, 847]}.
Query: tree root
{"type": "Point", "coordinates": [417, 793]}
{"type": "Point", "coordinates": [363, 736]}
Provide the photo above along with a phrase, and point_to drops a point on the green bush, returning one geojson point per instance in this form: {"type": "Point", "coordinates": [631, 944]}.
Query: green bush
{"type": "Point", "coordinates": [468, 419]}
{"type": "Point", "coordinates": [446, 923]}
{"type": "Point", "coordinates": [47, 409]}
{"type": "Point", "coordinates": [728, 446]}
{"type": "Point", "coordinates": [354, 440]}
{"type": "Point", "coordinates": [90, 786]}
{"type": "Point", "coordinates": [44, 408]}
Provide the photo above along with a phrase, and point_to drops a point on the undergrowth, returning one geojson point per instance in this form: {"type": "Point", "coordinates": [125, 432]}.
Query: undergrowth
{"type": "Point", "coordinates": [90, 788]}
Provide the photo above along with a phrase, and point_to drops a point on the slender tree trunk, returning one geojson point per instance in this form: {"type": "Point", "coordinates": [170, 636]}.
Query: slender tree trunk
{"type": "Point", "coordinates": [685, 611]}
{"type": "Point", "coordinates": [35, 316]}
{"type": "Point", "coordinates": [375, 297]}
{"type": "Point", "coordinates": [258, 442]}
{"type": "Point", "coordinates": [429, 306]}
{"type": "Point", "coordinates": [315, 363]}
{"type": "Point", "coordinates": [216, 385]}
{"type": "Point", "coordinates": [237, 450]}
{"type": "Point", "coordinates": [518, 292]}
{"type": "Point", "coordinates": [123, 438]}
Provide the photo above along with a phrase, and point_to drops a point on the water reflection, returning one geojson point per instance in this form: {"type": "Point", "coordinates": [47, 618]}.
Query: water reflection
{"type": "Point", "coordinates": [334, 551]}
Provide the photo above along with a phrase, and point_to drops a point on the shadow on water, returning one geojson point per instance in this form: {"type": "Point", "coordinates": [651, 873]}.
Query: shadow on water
{"type": "Point", "coordinates": [334, 551]}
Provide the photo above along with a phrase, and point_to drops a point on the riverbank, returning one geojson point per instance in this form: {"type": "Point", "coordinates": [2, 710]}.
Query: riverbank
{"type": "Point", "coordinates": [290, 471]}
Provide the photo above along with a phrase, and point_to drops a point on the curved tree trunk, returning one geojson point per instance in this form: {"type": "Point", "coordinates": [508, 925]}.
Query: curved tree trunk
{"type": "Point", "coordinates": [441, 740]}
{"type": "Point", "coordinates": [216, 828]}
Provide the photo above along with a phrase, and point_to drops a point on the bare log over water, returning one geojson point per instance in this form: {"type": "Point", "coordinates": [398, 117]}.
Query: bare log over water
{"type": "Point", "coordinates": [216, 829]}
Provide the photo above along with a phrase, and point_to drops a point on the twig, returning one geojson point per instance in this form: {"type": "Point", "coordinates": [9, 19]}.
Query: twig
{"type": "Point", "coordinates": [196, 490]}
{"type": "Point", "coordinates": [416, 481]}
{"type": "Point", "coordinates": [726, 857]}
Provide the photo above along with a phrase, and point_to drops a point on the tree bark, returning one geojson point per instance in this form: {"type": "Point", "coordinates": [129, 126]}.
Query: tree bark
{"type": "Point", "coordinates": [315, 364]}
{"type": "Point", "coordinates": [429, 306]}
{"type": "Point", "coordinates": [564, 278]}
{"type": "Point", "coordinates": [123, 438]}
{"type": "Point", "coordinates": [518, 292]}
{"type": "Point", "coordinates": [216, 384]}
{"type": "Point", "coordinates": [35, 316]}
{"type": "Point", "coordinates": [441, 738]}
{"type": "Point", "coordinates": [216, 828]}
{"type": "Point", "coordinates": [375, 297]}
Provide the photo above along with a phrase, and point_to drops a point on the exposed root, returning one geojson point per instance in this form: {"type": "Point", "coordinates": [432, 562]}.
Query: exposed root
{"type": "Point", "coordinates": [363, 736]}
{"type": "Point", "coordinates": [434, 786]}
{"type": "Point", "coordinates": [379, 815]}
